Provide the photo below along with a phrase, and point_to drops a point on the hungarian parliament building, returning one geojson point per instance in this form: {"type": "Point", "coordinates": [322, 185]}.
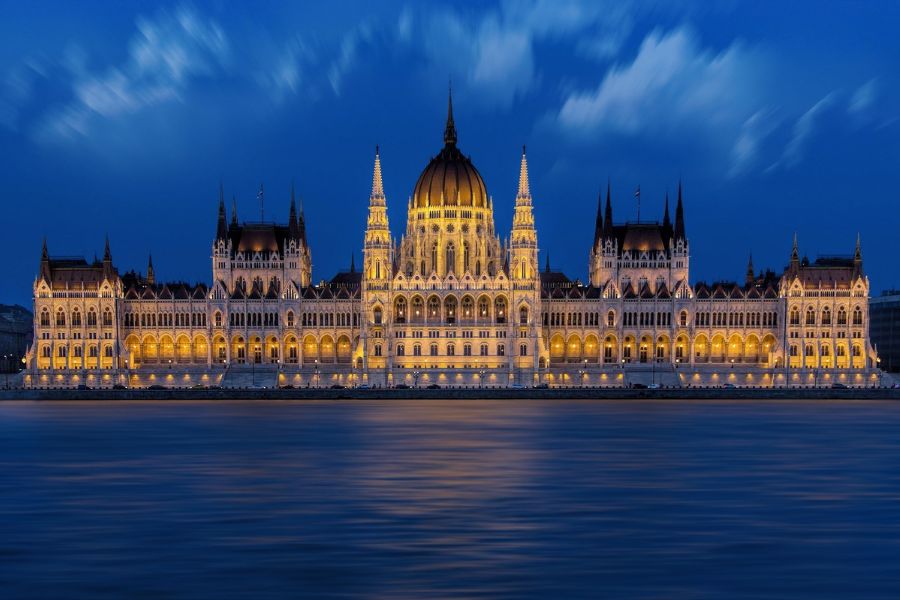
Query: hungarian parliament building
{"type": "Point", "coordinates": [449, 304]}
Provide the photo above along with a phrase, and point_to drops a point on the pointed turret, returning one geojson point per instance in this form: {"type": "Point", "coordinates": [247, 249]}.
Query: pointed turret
{"type": "Point", "coordinates": [151, 276]}
{"type": "Point", "coordinates": [353, 262]}
{"type": "Point", "coordinates": [524, 190]}
{"type": "Point", "coordinates": [45, 261]}
{"type": "Point", "coordinates": [450, 129]}
{"type": "Point", "coordinates": [795, 251]}
{"type": "Point", "coordinates": [750, 278]}
{"type": "Point", "coordinates": [607, 217]}
{"type": "Point", "coordinates": [547, 265]}
{"type": "Point", "coordinates": [45, 256]}
{"type": "Point", "coordinates": [666, 222]}
{"type": "Point", "coordinates": [679, 216]}
{"type": "Point", "coordinates": [234, 219]}
{"type": "Point", "coordinates": [377, 183]}
{"type": "Point", "coordinates": [598, 224]}
{"type": "Point", "coordinates": [107, 255]}
{"type": "Point", "coordinates": [222, 224]}
{"type": "Point", "coordinates": [293, 224]}
{"type": "Point", "coordinates": [857, 257]}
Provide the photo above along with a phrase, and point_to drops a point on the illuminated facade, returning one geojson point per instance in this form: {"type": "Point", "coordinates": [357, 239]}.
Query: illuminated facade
{"type": "Point", "coordinates": [453, 305]}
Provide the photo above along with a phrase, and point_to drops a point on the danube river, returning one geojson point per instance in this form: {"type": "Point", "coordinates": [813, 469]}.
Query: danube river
{"type": "Point", "coordinates": [450, 499]}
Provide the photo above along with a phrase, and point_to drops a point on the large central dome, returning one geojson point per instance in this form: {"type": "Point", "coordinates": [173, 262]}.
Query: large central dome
{"type": "Point", "coordinates": [450, 179]}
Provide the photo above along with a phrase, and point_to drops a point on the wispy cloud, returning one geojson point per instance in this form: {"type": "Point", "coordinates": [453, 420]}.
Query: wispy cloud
{"type": "Point", "coordinates": [754, 132]}
{"type": "Point", "coordinates": [863, 98]}
{"type": "Point", "coordinates": [348, 54]}
{"type": "Point", "coordinates": [166, 55]}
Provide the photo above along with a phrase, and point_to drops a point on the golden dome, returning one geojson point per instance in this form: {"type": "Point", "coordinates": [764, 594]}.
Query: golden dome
{"type": "Point", "coordinates": [450, 179]}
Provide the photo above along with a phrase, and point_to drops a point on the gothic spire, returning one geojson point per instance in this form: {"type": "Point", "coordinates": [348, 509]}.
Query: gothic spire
{"type": "Point", "coordinates": [377, 183]}
{"type": "Point", "coordinates": [607, 217]}
{"type": "Point", "coordinates": [666, 221]}
{"type": "Point", "coordinates": [234, 219]}
{"type": "Point", "coordinates": [857, 255]}
{"type": "Point", "coordinates": [221, 225]}
{"type": "Point", "coordinates": [352, 262]}
{"type": "Point", "coordinates": [795, 251]}
{"type": "Point", "coordinates": [547, 266]}
{"type": "Point", "coordinates": [450, 129]}
{"type": "Point", "coordinates": [679, 216]}
{"type": "Point", "coordinates": [293, 225]}
{"type": "Point", "coordinates": [524, 188]}
{"type": "Point", "coordinates": [107, 255]}
{"type": "Point", "coordinates": [598, 225]}
{"type": "Point", "coordinates": [151, 277]}
{"type": "Point", "coordinates": [44, 254]}
{"type": "Point", "coordinates": [751, 276]}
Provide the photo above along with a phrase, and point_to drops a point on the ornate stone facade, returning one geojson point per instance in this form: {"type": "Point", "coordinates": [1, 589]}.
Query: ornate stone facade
{"type": "Point", "coordinates": [451, 305]}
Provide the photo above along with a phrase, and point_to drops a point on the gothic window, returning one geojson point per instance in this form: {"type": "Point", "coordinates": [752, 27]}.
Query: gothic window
{"type": "Point", "coordinates": [434, 256]}
{"type": "Point", "coordinates": [826, 316]}
{"type": "Point", "coordinates": [842, 316]}
{"type": "Point", "coordinates": [76, 351]}
{"type": "Point", "coordinates": [501, 350]}
{"type": "Point", "coordinates": [218, 319]}
{"type": "Point", "coordinates": [46, 352]}
{"type": "Point", "coordinates": [377, 315]}
{"type": "Point", "coordinates": [290, 318]}
{"type": "Point", "coordinates": [107, 351]}
{"type": "Point", "coordinates": [400, 310]}
{"type": "Point", "coordinates": [523, 315]}
{"type": "Point", "coordinates": [795, 316]}
{"type": "Point", "coordinates": [483, 308]}
{"type": "Point", "coordinates": [92, 318]}
{"type": "Point", "coordinates": [810, 316]}
{"type": "Point", "coordinates": [377, 349]}
{"type": "Point", "coordinates": [857, 316]}
{"type": "Point", "coordinates": [794, 350]}
{"type": "Point", "coordinates": [477, 268]}
{"type": "Point", "coordinates": [523, 350]}
{"type": "Point", "coordinates": [467, 349]}
{"type": "Point", "coordinates": [76, 318]}
{"type": "Point", "coordinates": [418, 307]}
{"type": "Point", "coordinates": [484, 350]}
{"type": "Point", "coordinates": [451, 258]}
{"type": "Point", "coordinates": [45, 318]}
{"type": "Point", "coordinates": [500, 309]}
{"type": "Point", "coordinates": [401, 350]}
{"type": "Point", "coordinates": [683, 318]}
{"type": "Point", "coordinates": [61, 352]}
{"type": "Point", "coordinates": [451, 350]}
{"type": "Point", "coordinates": [468, 307]}
{"type": "Point", "coordinates": [417, 350]}
{"type": "Point", "coordinates": [611, 319]}
{"type": "Point", "coordinates": [433, 349]}
{"type": "Point", "coordinates": [60, 318]}
{"type": "Point", "coordinates": [450, 309]}
{"type": "Point", "coordinates": [434, 306]}
{"type": "Point", "coordinates": [465, 257]}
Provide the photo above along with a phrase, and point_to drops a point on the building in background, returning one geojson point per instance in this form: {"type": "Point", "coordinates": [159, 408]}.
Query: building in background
{"type": "Point", "coordinates": [884, 328]}
{"type": "Point", "coordinates": [15, 336]}
{"type": "Point", "coordinates": [452, 304]}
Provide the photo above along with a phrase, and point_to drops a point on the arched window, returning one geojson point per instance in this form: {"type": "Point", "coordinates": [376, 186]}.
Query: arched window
{"type": "Point", "coordinates": [810, 316]}
{"type": "Point", "coordinates": [451, 258]}
{"type": "Point", "coordinates": [477, 268]}
{"type": "Point", "coordinates": [611, 319]}
{"type": "Point", "coordinates": [108, 351]}
{"type": "Point", "coordinates": [434, 307]}
{"type": "Point", "coordinates": [434, 256]}
{"type": "Point", "coordinates": [468, 308]}
{"type": "Point", "coordinates": [795, 316]}
{"type": "Point", "coordinates": [500, 309]}
{"type": "Point", "coordinates": [465, 257]}
{"type": "Point", "coordinates": [842, 316]}
{"type": "Point", "coordinates": [451, 350]}
{"type": "Point", "coordinates": [290, 318]}
{"type": "Point", "coordinates": [794, 350]}
{"type": "Point", "coordinates": [377, 349]}
{"type": "Point", "coordinates": [401, 350]}
{"type": "Point", "coordinates": [433, 350]}
{"type": "Point", "coordinates": [45, 318]}
{"type": "Point", "coordinates": [418, 307]}
{"type": "Point", "coordinates": [107, 318]}
{"type": "Point", "coordinates": [60, 318]}
{"type": "Point", "coordinates": [400, 310]}
{"type": "Point", "coordinates": [826, 316]}
{"type": "Point", "coordinates": [417, 350]}
{"type": "Point", "coordinates": [857, 316]}
{"type": "Point", "coordinates": [376, 314]}
{"type": "Point", "coordinates": [683, 318]}
{"type": "Point", "coordinates": [218, 319]}
{"type": "Point", "coordinates": [523, 315]}
{"type": "Point", "coordinates": [92, 318]}
{"type": "Point", "coordinates": [76, 318]}
{"type": "Point", "coordinates": [483, 308]}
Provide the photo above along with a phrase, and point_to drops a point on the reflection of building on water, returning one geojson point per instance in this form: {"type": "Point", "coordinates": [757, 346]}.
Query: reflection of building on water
{"type": "Point", "coordinates": [452, 304]}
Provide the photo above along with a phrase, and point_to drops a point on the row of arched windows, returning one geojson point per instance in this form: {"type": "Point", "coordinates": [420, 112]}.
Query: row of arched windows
{"type": "Point", "coordinates": [60, 318]}
{"type": "Point", "coordinates": [811, 318]}
{"type": "Point", "coordinates": [451, 310]}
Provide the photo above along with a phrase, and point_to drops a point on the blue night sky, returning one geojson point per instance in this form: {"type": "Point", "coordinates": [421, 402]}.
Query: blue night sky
{"type": "Point", "coordinates": [122, 118]}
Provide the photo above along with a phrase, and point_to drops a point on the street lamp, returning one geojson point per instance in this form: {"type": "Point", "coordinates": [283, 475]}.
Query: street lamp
{"type": "Point", "coordinates": [416, 379]}
{"type": "Point", "coordinates": [316, 373]}
{"type": "Point", "coordinates": [481, 378]}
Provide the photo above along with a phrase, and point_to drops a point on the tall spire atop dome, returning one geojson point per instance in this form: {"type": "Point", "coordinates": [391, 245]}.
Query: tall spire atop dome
{"type": "Point", "coordinates": [450, 129]}
{"type": "Point", "coordinates": [751, 276]}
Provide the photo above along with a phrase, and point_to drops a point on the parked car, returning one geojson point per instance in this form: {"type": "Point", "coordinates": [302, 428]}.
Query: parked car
{"type": "Point", "coordinates": [156, 386]}
{"type": "Point", "coordinates": [653, 386]}
{"type": "Point", "coordinates": [838, 386]}
{"type": "Point", "coordinates": [517, 386]}
{"type": "Point", "coordinates": [338, 386]}
{"type": "Point", "coordinates": [401, 386]}
{"type": "Point", "coordinates": [363, 386]}
{"type": "Point", "coordinates": [542, 386]}
{"type": "Point", "coordinates": [728, 386]}
{"type": "Point", "coordinates": [287, 387]}
{"type": "Point", "coordinates": [434, 386]}
{"type": "Point", "coordinates": [199, 386]}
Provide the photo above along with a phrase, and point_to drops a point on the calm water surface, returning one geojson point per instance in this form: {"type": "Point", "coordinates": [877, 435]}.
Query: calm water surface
{"type": "Point", "coordinates": [450, 499]}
